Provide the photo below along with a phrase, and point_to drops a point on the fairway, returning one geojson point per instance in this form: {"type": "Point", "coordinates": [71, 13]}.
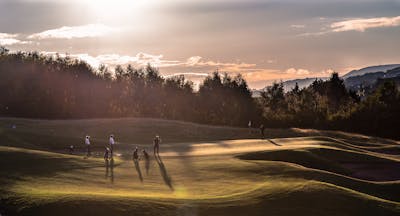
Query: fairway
{"type": "Point", "coordinates": [201, 170]}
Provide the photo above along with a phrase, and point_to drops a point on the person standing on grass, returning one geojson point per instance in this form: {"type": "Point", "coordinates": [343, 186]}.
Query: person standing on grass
{"type": "Point", "coordinates": [112, 143]}
{"type": "Point", "coordinates": [249, 125]}
{"type": "Point", "coordinates": [107, 154]}
{"type": "Point", "coordinates": [262, 129]}
{"type": "Point", "coordinates": [87, 143]}
{"type": "Point", "coordinates": [156, 143]}
{"type": "Point", "coordinates": [71, 149]}
{"type": "Point", "coordinates": [135, 155]}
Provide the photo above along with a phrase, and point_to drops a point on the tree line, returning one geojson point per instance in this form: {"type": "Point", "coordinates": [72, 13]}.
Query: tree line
{"type": "Point", "coordinates": [329, 105]}
{"type": "Point", "coordinates": [34, 85]}
{"type": "Point", "coordinates": [52, 87]}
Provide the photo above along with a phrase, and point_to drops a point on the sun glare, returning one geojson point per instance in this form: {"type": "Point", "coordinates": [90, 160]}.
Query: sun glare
{"type": "Point", "coordinates": [116, 9]}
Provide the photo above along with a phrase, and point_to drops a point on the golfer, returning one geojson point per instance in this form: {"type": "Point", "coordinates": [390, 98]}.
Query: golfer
{"type": "Point", "coordinates": [112, 143]}
{"type": "Point", "coordinates": [156, 142]}
{"type": "Point", "coordinates": [107, 154]}
{"type": "Point", "coordinates": [87, 143]}
{"type": "Point", "coordinates": [135, 155]}
{"type": "Point", "coordinates": [262, 129]}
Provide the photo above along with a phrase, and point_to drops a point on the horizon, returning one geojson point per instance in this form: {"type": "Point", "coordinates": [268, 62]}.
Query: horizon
{"type": "Point", "coordinates": [265, 41]}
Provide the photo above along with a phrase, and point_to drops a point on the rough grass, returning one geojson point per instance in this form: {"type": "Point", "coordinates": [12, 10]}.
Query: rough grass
{"type": "Point", "coordinates": [202, 170]}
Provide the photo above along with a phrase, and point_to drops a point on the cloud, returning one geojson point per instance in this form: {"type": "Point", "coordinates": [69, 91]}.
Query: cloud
{"type": "Point", "coordinates": [69, 32]}
{"type": "Point", "coordinates": [297, 26]}
{"type": "Point", "coordinates": [359, 24]}
{"type": "Point", "coordinates": [192, 61]}
{"type": "Point", "coordinates": [11, 39]}
{"type": "Point", "coordinates": [363, 24]}
{"type": "Point", "coordinates": [307, 34]}
{"type": "Point", "coordinates": [223, 66]}
{"type": "Point", "coordinates": [298, 71]}
{"type": "Point", "coordinates": [139, 60]}
{"type": "Point", "coordinates": [303, 72]}
{"type": "Point", "coordinates": [188, 74]}
{"type": "Point", "coordinates": [142, 59]}
{"type": "Point", "coordinates": [195, 68]}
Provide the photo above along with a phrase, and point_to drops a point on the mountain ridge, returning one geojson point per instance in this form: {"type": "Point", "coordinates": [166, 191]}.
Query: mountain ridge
{"type": "Point", "coordinates": [365, 76]}
{"type": "Point", "coordinates": [370, 69]}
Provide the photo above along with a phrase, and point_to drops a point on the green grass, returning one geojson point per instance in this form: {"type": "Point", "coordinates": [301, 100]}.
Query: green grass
{"type": "Point", "coordinates": [204, 170]}
{"type": "Point", "coordinates": [344, 162]}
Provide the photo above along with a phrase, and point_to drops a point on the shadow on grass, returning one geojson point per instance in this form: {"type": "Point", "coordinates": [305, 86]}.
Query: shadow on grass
{"type": "Point", "coordinates": [136, 162]}
{"type": "Point", "coordinates": [164, 173]}
{"type": "Point", "coordinates": [271, 141]}
{"type": "Point", "coordinates": [110, 169]}
{"type": "Point", "coordinates": [147, 165]}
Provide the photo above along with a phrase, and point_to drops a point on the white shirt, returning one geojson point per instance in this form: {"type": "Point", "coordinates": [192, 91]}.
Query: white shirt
{"type": "Point", "coordinates": [112, 142]}
{"type": "Point", "coordinates": [87, 141]}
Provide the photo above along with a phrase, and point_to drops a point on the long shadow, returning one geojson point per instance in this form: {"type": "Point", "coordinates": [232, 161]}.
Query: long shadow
{"type": "Point", "coordinates": [147, 165]}
{"type": "Point", "coordinates": [107, 163]}
{"type": "Point", "coordinates": [110, 170]}
{"type": "Point", "coordinates": [164, 173]}
{"type": "Point", "coordinates": [136, 162]}
{"type": "Point", "coordinates": [273, 142]}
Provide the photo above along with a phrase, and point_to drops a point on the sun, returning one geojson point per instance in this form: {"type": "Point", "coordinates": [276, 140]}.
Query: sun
{"type": "Point", "coordinates": [115, 10]}
{"type": "Point", "coordinates": [112, 5]}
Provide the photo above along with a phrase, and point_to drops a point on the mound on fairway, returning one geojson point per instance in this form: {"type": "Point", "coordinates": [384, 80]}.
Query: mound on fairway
{"type": "Point", "coordinates": [350, 163]}
{"type": "Point", "coordinates": [226, 172]}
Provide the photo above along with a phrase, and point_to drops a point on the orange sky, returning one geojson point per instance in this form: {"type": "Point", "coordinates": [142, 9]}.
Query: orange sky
{"type": "Point", "coordinates": [265, 40]}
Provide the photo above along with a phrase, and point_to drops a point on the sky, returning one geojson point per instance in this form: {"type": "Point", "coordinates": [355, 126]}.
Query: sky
{"type": "Point", "coordinates": [264, 40]}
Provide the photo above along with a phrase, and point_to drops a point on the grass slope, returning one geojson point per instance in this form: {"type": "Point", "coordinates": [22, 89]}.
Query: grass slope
{"type": "Point", "coordinates": [203, 170]}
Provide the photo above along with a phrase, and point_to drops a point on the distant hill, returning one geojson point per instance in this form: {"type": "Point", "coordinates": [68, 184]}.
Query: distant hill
{"type": "Point", "coordinates": [395, 72]}
{"type": "Point", "coordinates": [371, 69]}
{"type": "Point", "coordinates": [370, 79]}
{"type": "Point", "coordinates": [366, 77]}
{"type": "Point", "coordinates": [290, 84]}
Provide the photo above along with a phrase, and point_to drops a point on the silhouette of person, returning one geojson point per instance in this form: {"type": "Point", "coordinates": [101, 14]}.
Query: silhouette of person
{"type": "Point", "coordinates": [112, 143]}
{"type": "Point", "coordinates": [71, 149]}
{"type": "Point", "coordinates": [135, 155]}
{"type": "Point", "coordinates": [107, 153]}
{"type": "Point", "coordinates": [156, 142]}
{"type": "Point", "coordinates": [249, 125]}
{"type": "Point", "coordinates": [135, 158]}
{"type": "Point", "coordinates": [262, 129]}
{"type": "Point", "coordinates": [87, 143]}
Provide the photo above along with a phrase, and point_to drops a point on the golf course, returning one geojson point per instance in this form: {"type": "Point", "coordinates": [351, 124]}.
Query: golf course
{"type": "Point", "coordinates": [201, 170]}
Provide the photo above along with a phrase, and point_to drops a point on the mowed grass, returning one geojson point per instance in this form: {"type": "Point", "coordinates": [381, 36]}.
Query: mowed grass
{"type": "Point", "coordinates": [202, 170]}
